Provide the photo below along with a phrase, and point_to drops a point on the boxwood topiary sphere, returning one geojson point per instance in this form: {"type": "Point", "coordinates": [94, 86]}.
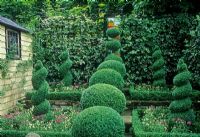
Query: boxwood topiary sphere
{"type": "Point", "coordinates": [115, 65]}
{"type": "Point", "coordinates": [107, 76]}
{"type": "Point", "coordinates": [114, 57]}
{"type": "Point", "coordinates": [103, 95]}
{"type": "Point", "coordinates": [113, 32]}
{"type": "Point", "coordinates": [98, 121]}
{"type": "Point", "coordinates": [113, 45]}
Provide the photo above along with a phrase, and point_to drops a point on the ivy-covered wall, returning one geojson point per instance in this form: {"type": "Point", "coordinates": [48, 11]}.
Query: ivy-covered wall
{"type": "Point", "coordinates": [80, 35]}
{"type": "Point", "coordinates": [15, 75]}
{"type": "Point", "coordinates": [140, 35]}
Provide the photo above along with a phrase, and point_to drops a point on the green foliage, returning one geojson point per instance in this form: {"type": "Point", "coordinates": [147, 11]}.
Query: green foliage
{"type": "Point", "coordinates": [158, 68]}
{"type": "Point", "coordinates": [77, 33]}
{"type": "Point", "coordinates": [65, 68]}
{"type": "Point", "coordinates": [69, 96]}
{"type": "Point", "coordinates": [181, 106]}
{"type": "Point", "coordinates": [16, 133]}
{"type": "Point", "coordinates": [107, 76]}
{"type": "Point", "coordinates": [40, 85]}
{"type": "Point", "coordinates": [3, 67]}
{"type": "Point", "coordinates": [98, 121]}
{"type": "Point", "coordinates": [169, 32]}
{"type": "Point", "coordinates": [103, 95]}
{"type": "Point", "coordinates": [115, 65]}
{"type": "Point", "coordinates": [113, 32]}
{"type": "Point", "coordinates": [192, 54]}
{"type": "Point", "coordinates": [113, 56]}
{"type": "Point", "coordinates": [154, 7]}
{"type": "Point", "coordinates": [113, 45]}
{"type": "Point", "coordinates": [141, 93]}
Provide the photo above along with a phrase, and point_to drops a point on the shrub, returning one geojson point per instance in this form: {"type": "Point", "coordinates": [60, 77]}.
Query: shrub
{"type": "Point", "coordinates": [115, 65]}
{"type": "Point", "coordinates": [181, 106]}
{"type": "Point", "coordinates": [98, 121]}
{"type": "Point", "coordinates": [103, 95]}
{"type": "Point", "coordinates": [65, 69]}
{"type": "Point", "coordinates": [113, 45]}
{"type": "Point", "coordinates": [158, 68]}
{"type": "Point", "coordinates": [40, 85]}
{"type": "Point", "coordinates": [113, 32]}
{"type": "Point", "coordinates": [113, 56]}
{"type": "Point", "coordinates": [107, 76]}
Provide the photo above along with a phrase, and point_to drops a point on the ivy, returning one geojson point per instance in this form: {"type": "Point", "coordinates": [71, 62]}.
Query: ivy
{"type": "Point", "coordinates": [4, 67]}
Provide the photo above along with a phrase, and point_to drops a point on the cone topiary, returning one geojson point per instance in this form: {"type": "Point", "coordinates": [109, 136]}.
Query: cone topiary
{"type": "Point", "coordinates": [103, 95]}
{"type": "Point", "coordinates": [113, 56]}
{"type": "Point", "coordinates": [113, 32]}
{"type": "Point", "coordinates": [65, 69]}
{"type": "Point", "coordinates": [107, 76]}
{"type": "Point", "coordinates": [181, 106]}
{"type": "Point", "coordinates": [98, 121]}
{"type": "Point", "coordinates": [40, 85]}
{"type": "Point", "coordinates": [158, 68]}
{"type": "Point", "coordinates": [115, 65]}
{"type": "Point", "coordinates": [113, 45]}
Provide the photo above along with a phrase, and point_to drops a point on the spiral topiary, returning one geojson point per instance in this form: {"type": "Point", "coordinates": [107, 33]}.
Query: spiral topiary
{"type": "Point", "coordinates": [98, 121]}
{"type": "Point", "coordinates": [115, 65]}
{"type": "Point", "coordinates": [107, 76]}
{"type": "Point", "coordinates": [65, 69]}
{"type": "Point", "coordinates": [40, 85]}
{"type": "Point", "coordinates": [158, 68]}
{"type": "Point", "coordinates": [113, 32]}
{"type": "Point", "coordinates": [113, 45]}
{"type": "Point", "coordinates": [113, 56]}
{"type": "Point", "coordinates": [181, 106]}
{"type": "Point", "coordinates": [103, 95]}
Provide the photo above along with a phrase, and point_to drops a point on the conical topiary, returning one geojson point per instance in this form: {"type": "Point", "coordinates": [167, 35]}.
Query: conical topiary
{"type": "Point", "coordinates": [65, 69]}
{"type": "Point", "coordinates": [158, 68]}
{"type": "Point", "coordinates": [181, 106]}
{"type": "Point", "coordinates": [40, 85]}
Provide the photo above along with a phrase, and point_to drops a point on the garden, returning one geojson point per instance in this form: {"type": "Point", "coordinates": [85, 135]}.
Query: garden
{"type": "Point", "coordinates": [100, 68]}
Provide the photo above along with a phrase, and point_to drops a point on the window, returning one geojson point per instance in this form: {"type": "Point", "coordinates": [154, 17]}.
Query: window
{"type": "Point", "coordinates": [13, 45]}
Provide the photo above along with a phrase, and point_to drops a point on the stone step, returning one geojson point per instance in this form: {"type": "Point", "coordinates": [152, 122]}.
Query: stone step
{"type": "Point", "coordinates": [126, 115]}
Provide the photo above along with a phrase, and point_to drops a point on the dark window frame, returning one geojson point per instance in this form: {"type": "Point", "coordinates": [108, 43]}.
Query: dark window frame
{"type": "Point", "coordinates": [18, 54]}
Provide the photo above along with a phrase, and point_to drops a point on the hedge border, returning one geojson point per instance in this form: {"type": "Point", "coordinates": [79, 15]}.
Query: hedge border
{"type": "Point", "coordinates": [138, 131]}
{"type": "Point", "coordinates": [14, 133]}
{"type": "Point", "coordinates": [153, 95]}
{"type": "Point", "coordinates": [69, 96]}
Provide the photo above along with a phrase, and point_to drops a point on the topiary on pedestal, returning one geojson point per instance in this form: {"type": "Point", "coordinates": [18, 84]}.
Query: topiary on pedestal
{"type": "Point", "coordinates": [158, 68]}
{"type": "Point", "coordinates": [98, 121]}
{"type": "Point", "coordinates": [65, 69]}
{"type": "Point", "coordinates": [103, 95]}
{"type": "Point", "coordinates": [40, 85]}
{"type": "Point", "coordinates": [181, 106]}
{"type": "Point", "coordinates": [115, 65]}
{"type": "Point", "coordinates": [113, 56]}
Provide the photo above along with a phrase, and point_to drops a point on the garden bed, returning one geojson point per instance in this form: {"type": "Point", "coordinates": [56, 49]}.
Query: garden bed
{"type": "Point", "coordinates": [20, 121]}
{"type": "Point", "coordinates": [152, 122]}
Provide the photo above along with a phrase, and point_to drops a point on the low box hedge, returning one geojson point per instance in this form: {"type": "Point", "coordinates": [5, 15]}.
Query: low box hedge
{"type": "Point", "coordinates": [147, 95]}
{"type": "Point", "coordinates": [157, 95]}
{"type": "Point", "coordinates": [14, 133]}
{"type": "Point", "coordinates": [69, 96]}
{"type": "Point", "coordinates": [138, 131]}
